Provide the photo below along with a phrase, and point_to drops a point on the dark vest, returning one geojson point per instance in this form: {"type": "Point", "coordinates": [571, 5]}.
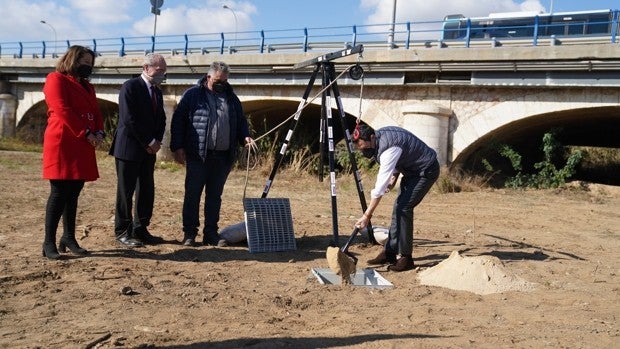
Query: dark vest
{"type": "Point", "coordinates": [416, 155]}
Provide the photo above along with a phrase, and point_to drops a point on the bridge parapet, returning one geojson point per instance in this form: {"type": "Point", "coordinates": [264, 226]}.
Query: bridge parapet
{"type": "Point", "coordinates": [411, 88]}
{"type": "Point", "coordinates": [578, 57]}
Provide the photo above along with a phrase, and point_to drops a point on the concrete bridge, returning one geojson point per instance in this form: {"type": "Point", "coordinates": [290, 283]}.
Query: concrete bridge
{"type": "Point", "coordinates": [457, 99]}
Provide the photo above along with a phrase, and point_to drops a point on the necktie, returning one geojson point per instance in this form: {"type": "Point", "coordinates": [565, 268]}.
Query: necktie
{"type": "Point", "coordinates": [153, 98]}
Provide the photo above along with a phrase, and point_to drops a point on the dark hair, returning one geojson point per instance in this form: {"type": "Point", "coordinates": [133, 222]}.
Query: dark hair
{"type": "Point", "coordinates": [363, 132]}
{"type": "Point", "coordinates": [68, 63]}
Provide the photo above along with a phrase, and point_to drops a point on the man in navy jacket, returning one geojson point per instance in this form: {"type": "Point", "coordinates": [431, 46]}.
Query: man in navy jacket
{"type": "Point", "coordinates": [137, 140]}
{"type": "Point", "coordinates": [206, 129]}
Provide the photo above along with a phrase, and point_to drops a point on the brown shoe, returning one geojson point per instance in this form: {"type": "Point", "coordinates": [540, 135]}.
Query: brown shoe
{"type": "Point", "coordinates": [383, 258]}
{"type": "Point", "coordinates": [402, 264]}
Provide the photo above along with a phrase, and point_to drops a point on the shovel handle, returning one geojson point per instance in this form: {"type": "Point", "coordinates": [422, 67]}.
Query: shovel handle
{"type": "Point", "coordinates": [345, 248]}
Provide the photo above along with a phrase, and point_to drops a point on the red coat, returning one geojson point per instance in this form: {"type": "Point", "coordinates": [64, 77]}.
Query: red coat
{"type": "Point", "coordinates": [72, 110]}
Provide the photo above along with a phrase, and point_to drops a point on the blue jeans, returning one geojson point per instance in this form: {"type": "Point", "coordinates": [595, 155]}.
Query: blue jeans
{"type": "Point", "coordinates": [412, 191]}
{"type": "Point", "coordinates": [208, 176]}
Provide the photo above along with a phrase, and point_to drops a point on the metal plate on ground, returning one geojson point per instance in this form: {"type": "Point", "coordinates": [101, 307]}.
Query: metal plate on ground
{"type": "Point", "coordinates": [269, 225]}
{"type": "Point", "coordinates": [367, 277]}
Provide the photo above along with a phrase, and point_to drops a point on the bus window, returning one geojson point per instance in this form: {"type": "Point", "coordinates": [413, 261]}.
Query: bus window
{"type": "Point", "coordinates": [575, 28]}
{"type": "Point", "coordinates": [599, 23]}
{"type": "Point", "coordinates": [454, 27]}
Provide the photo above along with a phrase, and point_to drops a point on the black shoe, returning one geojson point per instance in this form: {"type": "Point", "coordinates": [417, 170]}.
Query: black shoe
{"type": "Point", "coordinates": [211, 239]}
{"type": "Point", "coordinates": [383, 258]}
{"type": "Point", "coordinates": [50, 251]}
{"type": "Point", "coordinates": [128, 241]}
{"type": "Point", "coordinates": [189, 242]}
{"type": "Point", "coordinates": [145, 236]}
{"type": "Point", "coordinates": [72, 245]}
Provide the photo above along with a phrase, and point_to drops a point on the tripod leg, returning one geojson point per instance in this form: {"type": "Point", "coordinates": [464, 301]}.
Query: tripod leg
{"type": "Point", "coordinates": [354, 168]}
{"type": "Point", "coordinates": [289, 135]}
{"type": "Point", "coordinates": [328, 69]}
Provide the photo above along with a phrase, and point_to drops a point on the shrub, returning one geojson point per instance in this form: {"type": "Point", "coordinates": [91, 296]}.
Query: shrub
{"type": "Point", "coordinates": [546, 174]}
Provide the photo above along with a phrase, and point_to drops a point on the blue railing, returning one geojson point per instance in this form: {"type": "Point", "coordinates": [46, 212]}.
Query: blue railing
{"type": "Point", "coordinates": [377, 36]}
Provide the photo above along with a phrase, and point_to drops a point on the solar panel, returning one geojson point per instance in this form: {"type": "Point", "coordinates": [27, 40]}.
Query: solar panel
{"type": "Point", "coordinates": [269, 225]}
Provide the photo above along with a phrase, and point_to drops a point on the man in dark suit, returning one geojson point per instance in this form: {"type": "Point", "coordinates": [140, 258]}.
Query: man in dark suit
{"type": "Point", "coordinates": [137, 140]}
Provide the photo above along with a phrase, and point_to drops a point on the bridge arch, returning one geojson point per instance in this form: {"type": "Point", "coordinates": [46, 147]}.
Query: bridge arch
{"type": "Point", "coordinates": [277, 108]}
{"type": "Point", "coordinates": [33, 121]}
{"type": "Point", "coordinates": [513, 120]}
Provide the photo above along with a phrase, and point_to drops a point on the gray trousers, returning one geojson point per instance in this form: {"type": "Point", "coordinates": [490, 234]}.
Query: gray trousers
{"type": "Point", "coordinates": [413, 188]}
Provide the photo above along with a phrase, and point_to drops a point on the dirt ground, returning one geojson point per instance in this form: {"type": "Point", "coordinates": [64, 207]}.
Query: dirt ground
{"type": "Point", "coordinates": [566, 242]}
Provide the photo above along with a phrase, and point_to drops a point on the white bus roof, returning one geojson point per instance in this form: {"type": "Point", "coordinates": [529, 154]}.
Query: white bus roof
{"type": "Point", "coordinates": [534, 13]}
{"type": "Point", "coordinates": [514, 14]}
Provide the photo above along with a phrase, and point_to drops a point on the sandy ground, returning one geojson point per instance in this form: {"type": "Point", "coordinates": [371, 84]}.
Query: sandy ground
{"type": "Point", "coordinates": [564, 242]}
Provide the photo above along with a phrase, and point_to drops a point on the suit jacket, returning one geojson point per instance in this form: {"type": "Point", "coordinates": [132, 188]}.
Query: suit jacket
{"type": "Point", "coordinates": [72, 111]}
{"type": "Point", "coordinates": [138, 122]}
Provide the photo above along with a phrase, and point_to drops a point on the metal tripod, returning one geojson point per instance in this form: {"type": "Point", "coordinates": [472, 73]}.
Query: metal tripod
{"type": "Point", "coordinates": [324, 65]}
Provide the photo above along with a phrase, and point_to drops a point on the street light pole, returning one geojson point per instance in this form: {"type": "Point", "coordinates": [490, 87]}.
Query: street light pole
{"type": "Point", "coordinates": [234, 15]}
{"type": "Point", "coordinates": [391, 35]}
{"type": "Point", "coordinates": [55, 36]}
{"type": "Point", "coordinates": [155, 10]}
{"type": "Point", "coordinates": [551, 8]}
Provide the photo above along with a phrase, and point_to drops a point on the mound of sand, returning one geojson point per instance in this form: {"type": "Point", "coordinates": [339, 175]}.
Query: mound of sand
{"type": "Point", "coordinates": [480, 275]}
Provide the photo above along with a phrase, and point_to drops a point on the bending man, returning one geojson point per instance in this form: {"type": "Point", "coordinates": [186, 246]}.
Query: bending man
{"type": "Point", "coordinates": [397, 151]}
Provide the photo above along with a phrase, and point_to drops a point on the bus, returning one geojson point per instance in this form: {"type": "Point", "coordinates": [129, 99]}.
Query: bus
{"type": "Point", "coordinates": [529, 25]}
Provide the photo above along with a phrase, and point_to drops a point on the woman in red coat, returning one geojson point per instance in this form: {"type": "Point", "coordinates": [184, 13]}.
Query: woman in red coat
{"type": "Point", "coordinates": [74, 129]}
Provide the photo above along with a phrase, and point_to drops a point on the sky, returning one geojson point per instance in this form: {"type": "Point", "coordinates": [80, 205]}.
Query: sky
{"type": "Point", "coordinates": [99, 19]}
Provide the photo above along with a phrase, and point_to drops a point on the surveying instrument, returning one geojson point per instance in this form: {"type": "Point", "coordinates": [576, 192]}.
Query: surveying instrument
{"type": "Point", "coordinates": [324, 65]}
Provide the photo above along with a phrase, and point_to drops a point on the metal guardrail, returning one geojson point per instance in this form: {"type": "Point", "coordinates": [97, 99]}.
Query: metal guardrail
{"type": "Point", "coordinates": [406, 35]}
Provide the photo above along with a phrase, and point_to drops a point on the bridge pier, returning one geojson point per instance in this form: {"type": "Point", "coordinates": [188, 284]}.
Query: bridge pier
{"type": "Point", "coordinates": [430, 122]}
{"type": "Point", "coordinates": [8, 111]}
{"type": "Point", "coordinates": [164, 153]}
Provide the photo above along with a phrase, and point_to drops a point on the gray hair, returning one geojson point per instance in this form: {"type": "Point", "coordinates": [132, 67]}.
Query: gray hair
{"type": "Point", "coordinates": [218, 66]}
{"type": "Point", "coordinates": [152, 58]}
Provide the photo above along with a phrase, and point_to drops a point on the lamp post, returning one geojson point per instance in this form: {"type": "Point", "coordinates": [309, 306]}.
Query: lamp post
{"type": "Point", "coordinates": [234, 15]}
{"type": "Point", "coordinates": [393, 24]}
{"type": "Point", "coordinates": [551, 8]}
{"type": "Point", "coordinates": [55, 36]}
{"type": "Point", "coordinates": [156, 11]}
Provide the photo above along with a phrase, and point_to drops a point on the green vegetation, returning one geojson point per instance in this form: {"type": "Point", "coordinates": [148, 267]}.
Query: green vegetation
{"type": "Point", "coordinates": [546, 174]}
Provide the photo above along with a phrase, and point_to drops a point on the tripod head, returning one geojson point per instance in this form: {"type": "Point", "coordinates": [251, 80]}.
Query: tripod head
{"type": "Point", "coordinates": [330, 56]}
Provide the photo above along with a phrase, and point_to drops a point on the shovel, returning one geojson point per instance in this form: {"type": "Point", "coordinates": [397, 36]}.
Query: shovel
{"type": "Point", "coordinates": [341, 261]}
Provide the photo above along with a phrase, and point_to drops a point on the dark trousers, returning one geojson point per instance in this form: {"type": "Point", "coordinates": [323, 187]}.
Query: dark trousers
{"type": "Point", "coordinates": [208, 176]}
{"type": "Point", "coordinates": [62, 202]}
{"type": "Point", "coordinates": [412, 191]}
{"type": "Point", "coordinates": [134, 177]}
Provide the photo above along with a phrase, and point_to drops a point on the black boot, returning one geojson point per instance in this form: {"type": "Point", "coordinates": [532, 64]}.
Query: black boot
{"type": "Point", "coordinates": [68, 241]}
{"type": "Point", "coordinates": [50, 251]}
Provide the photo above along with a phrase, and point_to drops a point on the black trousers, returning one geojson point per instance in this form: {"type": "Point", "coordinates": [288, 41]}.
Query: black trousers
{"type": "Point", "coordinates": [134, 178]}
{"type": "Point", "coordinates": [207, 176]}
{"type": "Point", "coordinates": [413, 188]}
{"type": "Point", "coordinates": [62, 202]}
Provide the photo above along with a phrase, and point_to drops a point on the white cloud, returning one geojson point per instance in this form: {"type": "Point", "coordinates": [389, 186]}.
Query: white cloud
{"type": "Point", "coordinates": [427, 10]}
{"type": "Point", "coordinates": [426, 19]}
{"type": "Point", "coordinates": [192, 20]}
{"type": "Point", "coordinates": [25, 20]}
{"type": "Point", "coordinates": [99, 12]}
